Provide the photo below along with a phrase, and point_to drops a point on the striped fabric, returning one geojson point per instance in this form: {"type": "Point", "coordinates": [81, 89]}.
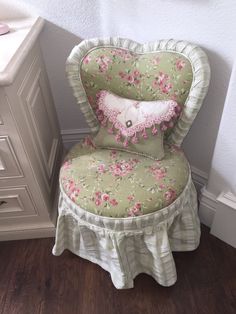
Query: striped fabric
{"type": "Point", "coordinates": [126, 247]}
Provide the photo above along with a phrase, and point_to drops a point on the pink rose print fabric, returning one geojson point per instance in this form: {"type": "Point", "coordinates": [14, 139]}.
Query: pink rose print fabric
{"type": "Point", "coordinates": [116, 184]}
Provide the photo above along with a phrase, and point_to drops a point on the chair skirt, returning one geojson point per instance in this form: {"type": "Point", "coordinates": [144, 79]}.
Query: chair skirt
{"type": "Point", "coordinates": [126, 247]}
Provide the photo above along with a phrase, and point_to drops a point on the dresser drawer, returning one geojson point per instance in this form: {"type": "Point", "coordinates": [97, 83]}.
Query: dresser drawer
{"type": "Point", "coordinates": [9, 165]}
{"type": "Point", "coordinates": [16, 202]}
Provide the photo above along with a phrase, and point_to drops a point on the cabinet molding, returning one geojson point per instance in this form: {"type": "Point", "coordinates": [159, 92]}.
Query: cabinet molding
{"type": "Point", "coordinates": [30, 150]}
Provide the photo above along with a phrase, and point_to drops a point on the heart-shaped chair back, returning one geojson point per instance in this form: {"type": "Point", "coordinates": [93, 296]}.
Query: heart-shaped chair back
{"type": "Point", "coordinates": [163, 70]}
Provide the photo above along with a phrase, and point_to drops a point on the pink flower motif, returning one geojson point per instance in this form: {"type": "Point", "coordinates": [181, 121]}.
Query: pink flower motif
{"type": "Point", "coordinates": [162, 78]}
{"type": "Point", "coordinates": [70, 185]}
{"type": "Point", "coordinates": [115, 52]}
{"type": "Point", "coordinates": [101, 168]}
{"type": "Point", "coordinates": [103, 67]}
{"type": "Point", "coordinates": [176, 149]}
{"type": "Point", "coordinates": [155, 84]}
{"type": "Point", "coordinates": [118, 138]}
{"type": "Point", "coordinates": [166, 88]}
{"type": "Point", "coordinates": [103, 62]}
{"type": "Point", "coordinates": [98, 194]}
{"type": "Point", "coordinates": [126, 55]}
{"type": "Point", "coordinates": [113, 202]}
{"type": "Point", "coordinates": [105, 197]}
{"type": "Point", "coordinates": [174, 97]}
{"type": "Point", "coordinates": [110, 130]}
{"type": "Point", "coordinates": [121, 168]}
{"type": "Point", "coordinates": [122, 74]}
{"type": "Point", "coordinates": [156, 61]}
{"type": "Point", "coordinates": [180, 64]}
{"type": "Point", "coordinates": [170, 195]}
{"type": "Point", "coordinates": [98, 202]}
{"type": "Point", "coordinates": [103, 59]}
{"type": "Point", "coordinates": [87, 141]}
{"type": "Point", "coordinates": [66, 165]}
{"type": "Point", "coordinates": [162, 81]}
{"type": "Point", "coordinates": [130, 79]}
{"type": "Point", "coordinates": [137, 205]}
{"type": "Point", "coordinates": [108, 78]}
{"type": "Point", "coordinates": [136, 73]}
{"type": "Point", "coordinates": [136, 82]}
{"type": "Point", "coordinates": [72, 189]}
{"type": "Point", "coordinates": [135, 210]}
{"type": "Point", "coordinates": [130, 197]}
{"type": "Point", "coordinates": [87, 59]}
{"type": "Point", "coordinates": [162, 186]}
{"type": "Point", "coordinates": [113, 154]}
{"type": "Point", "coordinates": [158, 173]}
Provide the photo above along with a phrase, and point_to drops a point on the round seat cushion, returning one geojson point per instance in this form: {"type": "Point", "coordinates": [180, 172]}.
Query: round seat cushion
{"type": "Point", "coordinates": [119, 184]}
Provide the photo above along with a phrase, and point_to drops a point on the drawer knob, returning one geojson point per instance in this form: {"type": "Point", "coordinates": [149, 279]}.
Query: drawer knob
{"type": "Point", "coordinates": [2, 203]}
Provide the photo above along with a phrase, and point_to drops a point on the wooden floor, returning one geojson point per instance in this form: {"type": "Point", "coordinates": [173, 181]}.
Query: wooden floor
{"type": "Point", "coordinates": [33, 281]}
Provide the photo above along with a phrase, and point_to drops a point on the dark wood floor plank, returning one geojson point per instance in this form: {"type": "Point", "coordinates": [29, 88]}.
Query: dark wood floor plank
{"type": "Point", "coordinates": [33, 281]}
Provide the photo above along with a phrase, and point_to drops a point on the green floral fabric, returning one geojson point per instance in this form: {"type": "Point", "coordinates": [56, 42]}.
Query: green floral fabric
{"type": "Point", "coordinates": [149, 76]}
{"type": "Point", "coordinates": [151, 147]}
{"type": "Point", "coordinates": [119, 184]}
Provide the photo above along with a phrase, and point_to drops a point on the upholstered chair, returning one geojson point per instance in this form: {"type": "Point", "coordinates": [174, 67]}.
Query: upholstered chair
{"type": "Point", "coordinates": [127, 199]}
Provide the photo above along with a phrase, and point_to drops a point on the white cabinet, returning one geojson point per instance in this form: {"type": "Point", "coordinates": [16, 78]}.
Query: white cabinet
{"type": "Point", "coordinates": [30, 144]}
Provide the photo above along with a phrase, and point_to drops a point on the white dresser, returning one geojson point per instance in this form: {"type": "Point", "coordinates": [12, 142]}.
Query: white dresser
{"type": "Point", "coordinates": [30, 143]}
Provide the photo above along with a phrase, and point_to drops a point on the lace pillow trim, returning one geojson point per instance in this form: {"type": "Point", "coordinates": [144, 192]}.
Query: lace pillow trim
{"type": "Point", "coordinates": [107, 113]}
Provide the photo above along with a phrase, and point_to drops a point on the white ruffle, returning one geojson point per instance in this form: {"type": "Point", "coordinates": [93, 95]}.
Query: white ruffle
{"type": "Point", "coordinates": [126, 247]}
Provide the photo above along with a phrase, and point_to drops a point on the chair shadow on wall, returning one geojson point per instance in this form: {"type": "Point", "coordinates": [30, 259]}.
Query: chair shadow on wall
{"type": "Point", "coordinates": [56, 44]}
{"type": "Point", "coordinates": [208, 119]}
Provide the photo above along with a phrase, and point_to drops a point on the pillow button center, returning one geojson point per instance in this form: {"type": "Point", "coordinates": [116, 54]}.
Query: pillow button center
{"type": "Point", "coordinates": [128, 123]}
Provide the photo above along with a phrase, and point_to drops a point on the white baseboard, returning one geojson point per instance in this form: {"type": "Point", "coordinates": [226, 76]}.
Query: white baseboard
{"type": "Point", "coordinates": [207, 200]}
{"type": "Point", "coordinates": [73, 136]}
{"type": "Point", "coordinates": [199, 178]}
{"type": "Point", "coordinates": [29, 232]}
{"type": "Point", "coordinates": [207, 208]}
{"type": "Point", "coordinates": [223, 226]}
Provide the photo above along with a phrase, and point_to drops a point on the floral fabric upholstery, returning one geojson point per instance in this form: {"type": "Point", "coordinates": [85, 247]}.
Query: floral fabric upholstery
{"type": "Point", "coordinates": [119, 184]}
{"type": "Point", "coordinates": [149, 76]}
